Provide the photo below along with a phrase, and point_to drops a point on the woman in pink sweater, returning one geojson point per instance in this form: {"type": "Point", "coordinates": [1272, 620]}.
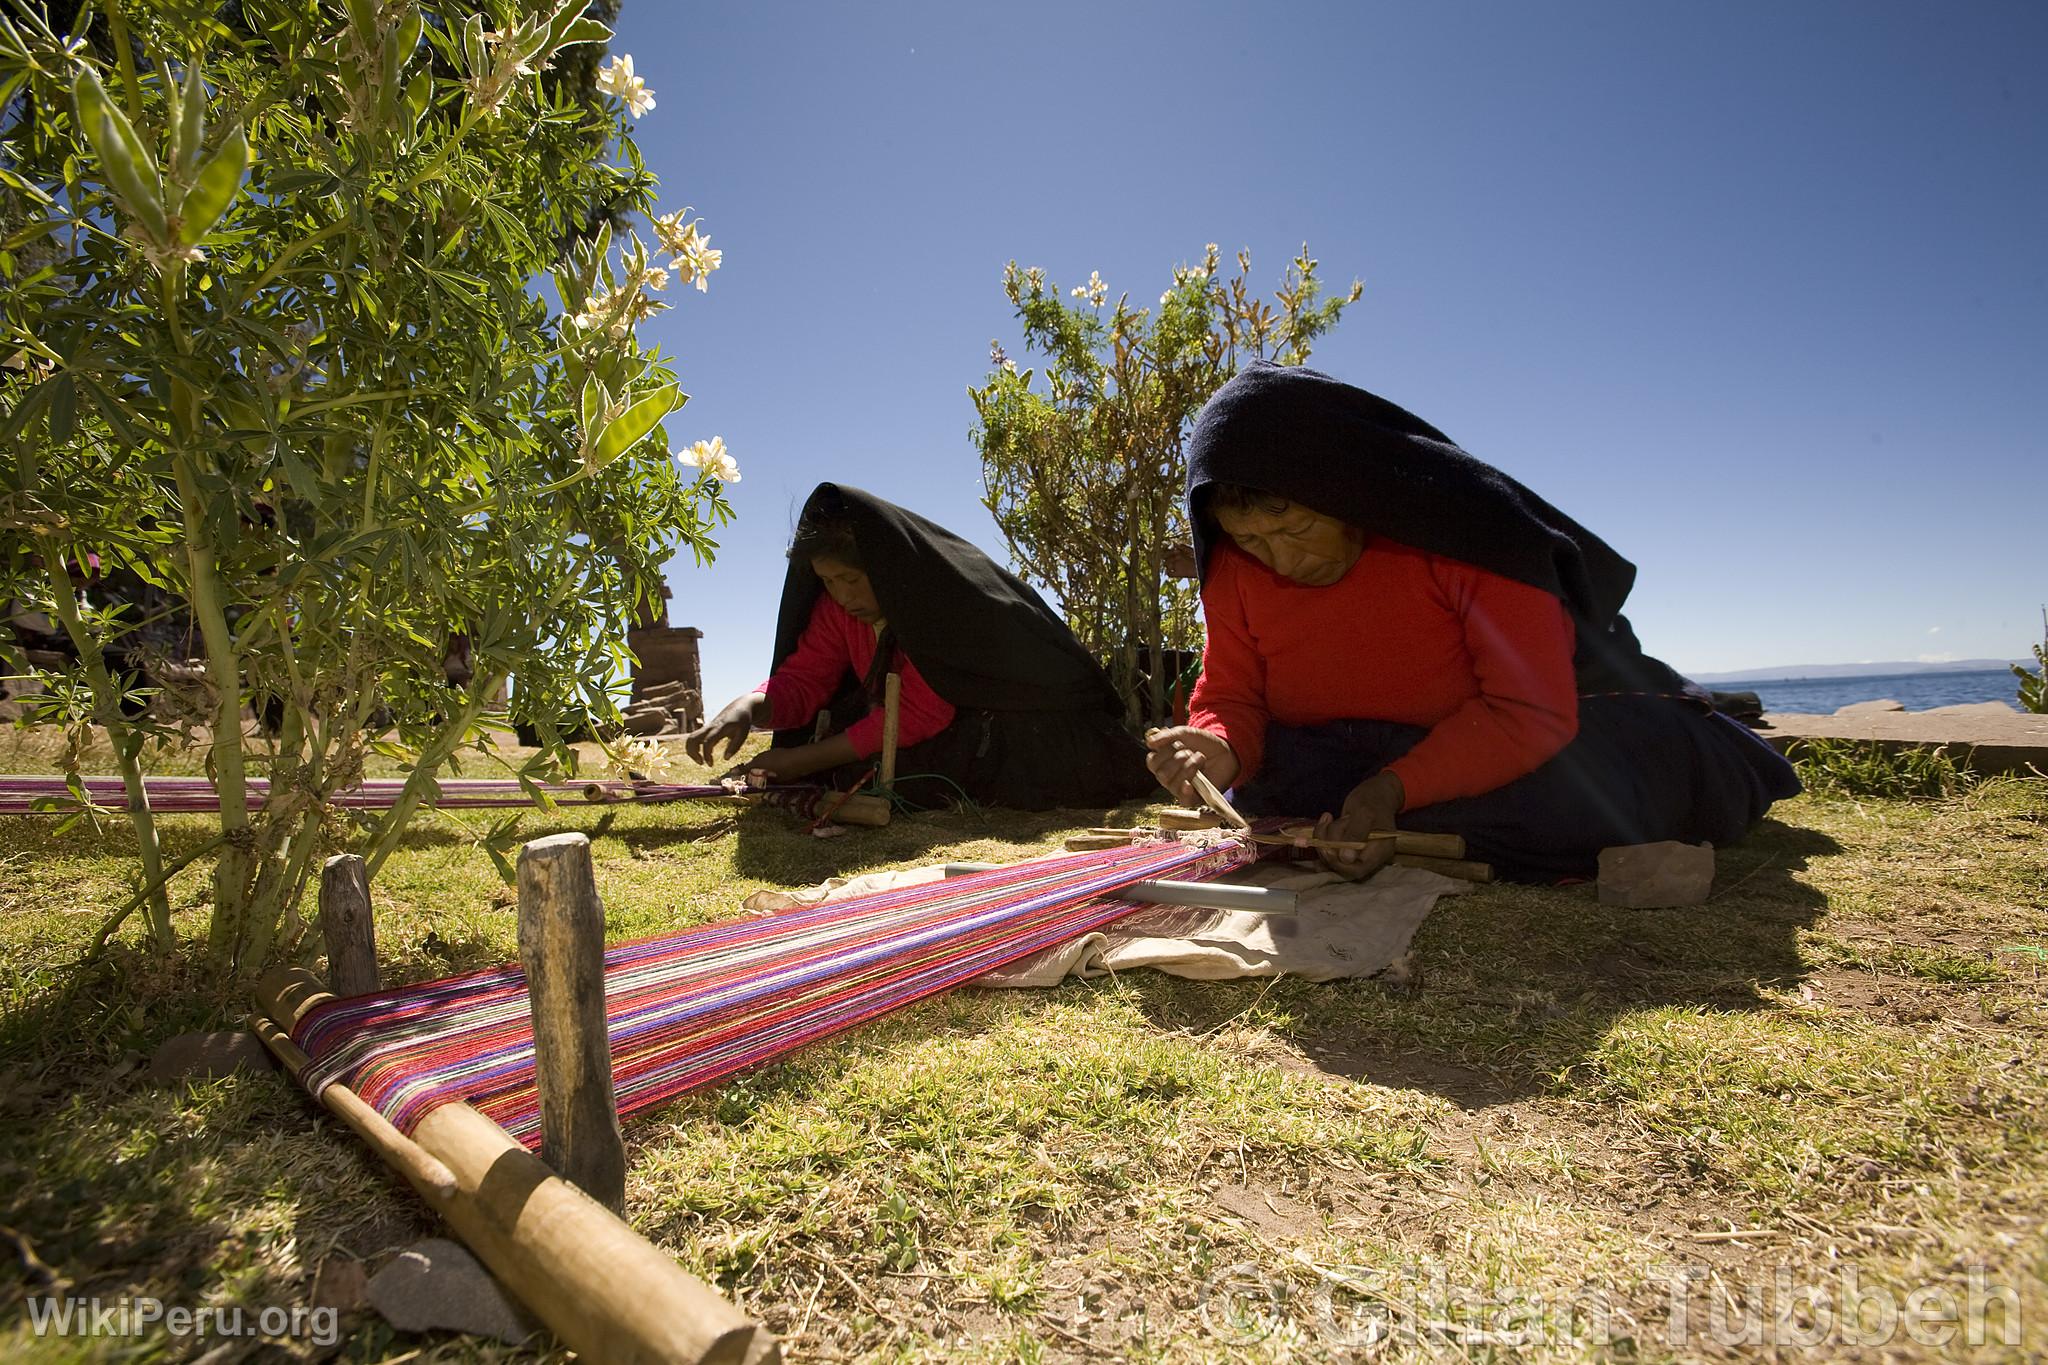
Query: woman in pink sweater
{"type": "Point", "coordinates": [999, 704]}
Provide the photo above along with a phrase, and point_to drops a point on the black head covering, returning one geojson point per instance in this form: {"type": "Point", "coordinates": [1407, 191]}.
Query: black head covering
{"type": "Point", "coordinates": [977, 633]}
{"type": "Point", "coordinates": [1352, 455]}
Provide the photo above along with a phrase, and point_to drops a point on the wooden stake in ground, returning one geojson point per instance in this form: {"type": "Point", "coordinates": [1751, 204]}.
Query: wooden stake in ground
{"type": "Point", "coordinates": [892, 707]}
{"type": "Point", "coordinates": [561, 945]}
{"type": "Point", "coordinates": [601, 1287]}
{"type": "Point", "coordinates": [346, 925]}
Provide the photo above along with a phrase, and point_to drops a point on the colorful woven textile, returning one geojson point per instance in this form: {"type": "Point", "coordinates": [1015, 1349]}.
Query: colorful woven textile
{"type": "Point", "coordinates": [44, 794]}
{"type": "Point", "coordinates": [687, 1008]}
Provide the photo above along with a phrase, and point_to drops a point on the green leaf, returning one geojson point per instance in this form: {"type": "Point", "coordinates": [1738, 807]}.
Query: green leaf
{"type": "Point", "coordinates": [583, 30]}
{"type": "Point", "coordinates": [215, 187]}
{"type": "Point", "coordinates": [131, 171]}
{"type": "Point", "coordinates": [362, 17]}
{"type": "Point", "coordinates": [409, 30]}
{"type": "Point", "coordinates": [592, 406]}
{"type": "Point", "coordinates": [473, 49]}
{"type": "Point", "coordinates": [419, 96]}
{"type": "Point", "coordinates": [63, 409]}
{"type": "Point", "coordinates": [635, 422]}
{"type": "Point", "coordinates": [191, 123]}
{"type": "Point", "coordinates": [304, 482]}
{"type": "Point", "coordinates": [42, 227]}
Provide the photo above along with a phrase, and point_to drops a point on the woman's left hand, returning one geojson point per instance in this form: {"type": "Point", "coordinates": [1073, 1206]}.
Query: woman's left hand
{"type": "Point", "coordinates": [781, 765]}
{"type": "Point", "coordinates": [1372, 805]}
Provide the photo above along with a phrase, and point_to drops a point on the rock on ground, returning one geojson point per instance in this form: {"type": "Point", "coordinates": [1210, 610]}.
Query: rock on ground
{"type": "Point", "coordinates": [1649, 876]}
{"type": "Point", "coordinates": [203, 1056]}
{"type": "Point", "coordinates": [437, 1285]}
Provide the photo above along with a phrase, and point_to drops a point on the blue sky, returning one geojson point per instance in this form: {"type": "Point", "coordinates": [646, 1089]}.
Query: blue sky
{"type": "Point", "coordinates": [1757, 292]}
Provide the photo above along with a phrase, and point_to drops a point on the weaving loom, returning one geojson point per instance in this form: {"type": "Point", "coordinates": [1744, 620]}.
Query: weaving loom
{"type": "Point", "coordinates": [456, 1083]}
{"type": "Point", "coordinates": [44, 794]}
{"type": "Point", "coordinates": [688, 1008]}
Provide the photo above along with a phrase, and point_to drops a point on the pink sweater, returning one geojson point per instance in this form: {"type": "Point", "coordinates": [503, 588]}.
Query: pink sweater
{"type": "Point", "coordinates": [810, 677]}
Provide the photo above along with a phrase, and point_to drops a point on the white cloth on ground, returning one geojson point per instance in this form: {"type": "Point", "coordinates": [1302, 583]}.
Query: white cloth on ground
{"type": "Point", "coordinates": [1341, 929]}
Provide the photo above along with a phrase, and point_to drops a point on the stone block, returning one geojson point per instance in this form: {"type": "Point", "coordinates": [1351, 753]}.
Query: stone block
{"type": "Point", "coordinates": [202, 1056]}
{"type": "Point", "coordinates": [1647, 876]}
{"type": "Point", "coordinates": [438, 1286]}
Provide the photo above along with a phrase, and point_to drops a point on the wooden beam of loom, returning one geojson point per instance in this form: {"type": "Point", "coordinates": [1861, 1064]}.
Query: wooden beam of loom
{"type": "Point", "coordinates": [892, 715]}
{"type": "Point", "coordinates": [609, 1294]}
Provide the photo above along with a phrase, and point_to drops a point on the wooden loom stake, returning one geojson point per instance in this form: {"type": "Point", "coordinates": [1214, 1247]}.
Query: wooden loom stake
{"type": "Point", "coordinates": [892, 707]}
{"type": "Point", "coordinates": [561, 945]}
{"type": "Point", "coordinates": [603, 1289]}
{"type": "Point", "coordinates": [347, 926]}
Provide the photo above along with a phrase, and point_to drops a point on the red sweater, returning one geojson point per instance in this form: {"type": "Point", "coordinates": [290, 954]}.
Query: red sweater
{"type": "Point", "coordinates": [832, 643]}
{"type": "Point", "coordinates": [1484, 662]}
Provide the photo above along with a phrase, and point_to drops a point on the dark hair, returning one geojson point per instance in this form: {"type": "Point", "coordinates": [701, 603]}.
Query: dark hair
{"type": "Point", "coordinates": [825, 537]}
{"type": "Point", "coordinates": [829, 537]}
{"type": "Point", "coordinates": [1236, 497]}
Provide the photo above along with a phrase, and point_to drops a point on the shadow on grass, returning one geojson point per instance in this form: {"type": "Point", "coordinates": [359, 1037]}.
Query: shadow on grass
{"type": "Point", "coordinates": [1515, 985]}
{"type": "Point", "coordinates": [774, 846]}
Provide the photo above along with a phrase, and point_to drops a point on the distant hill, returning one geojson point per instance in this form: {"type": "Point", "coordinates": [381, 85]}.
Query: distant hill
{"type": "Point", "coordinates": [1788, 672]}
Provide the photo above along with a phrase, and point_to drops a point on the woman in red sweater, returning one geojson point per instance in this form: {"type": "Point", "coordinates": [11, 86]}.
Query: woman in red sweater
{"type": "Point", "coordinates": [1398, 633]}
{"type": "Point", "coordinates": [998, 703]}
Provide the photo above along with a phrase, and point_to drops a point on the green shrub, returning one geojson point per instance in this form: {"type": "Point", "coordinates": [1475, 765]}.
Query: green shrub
{"type": "Point", "coordinates": [1852, 767]}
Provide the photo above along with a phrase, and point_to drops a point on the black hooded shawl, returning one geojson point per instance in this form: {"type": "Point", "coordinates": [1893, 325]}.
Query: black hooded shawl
{"type": "Point", "coordinates": [1349, 454]}
{"type": "Point", "coordinates": [982, 638]}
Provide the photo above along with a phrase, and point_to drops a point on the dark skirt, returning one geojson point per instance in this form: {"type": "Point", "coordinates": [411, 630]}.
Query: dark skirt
{"type": "Point", "coordinates": [1025, 760]}
{"type": "Point", "coordinates": [1642, 768]}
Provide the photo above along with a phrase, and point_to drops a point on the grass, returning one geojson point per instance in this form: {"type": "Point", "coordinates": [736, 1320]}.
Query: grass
{"type": "Point", "coordinates": [1839, 1061]}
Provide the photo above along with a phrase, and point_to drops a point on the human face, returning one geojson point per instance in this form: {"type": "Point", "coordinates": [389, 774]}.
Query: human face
{"type": "Point", "coordinates": [850, 589]}
{"type": "Point", "coordinates": [1296, 542]}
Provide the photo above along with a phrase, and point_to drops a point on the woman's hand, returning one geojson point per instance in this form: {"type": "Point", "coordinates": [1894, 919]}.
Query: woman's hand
{"type": "Point", "coordinates": [784, 765]}
{"type": "Point", "coordinates": [1181, 752]}
{"type": "Point", "coordinates": [781, 765]}
{"type": "Point", "coordinates": [1372, 805]}
{"type": "Point", "coordinates": [729, 727]}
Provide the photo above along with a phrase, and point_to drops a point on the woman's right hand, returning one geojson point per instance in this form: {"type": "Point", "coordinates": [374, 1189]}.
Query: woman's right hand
{"type": "Point", "coordinates": [1181, 752]}
{"type": "Point", "coordinates": [729, 727]}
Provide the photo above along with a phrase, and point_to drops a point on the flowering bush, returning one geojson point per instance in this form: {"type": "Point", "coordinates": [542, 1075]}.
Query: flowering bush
{"type": "Point", "coordinates": [274, 352]}
{"type": "Point", "coordinates": [1085, 475]}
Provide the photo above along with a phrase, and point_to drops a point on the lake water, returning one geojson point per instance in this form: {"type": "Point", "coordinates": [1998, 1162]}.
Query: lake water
{"type": "Point", "coordinates": [1918, 691]}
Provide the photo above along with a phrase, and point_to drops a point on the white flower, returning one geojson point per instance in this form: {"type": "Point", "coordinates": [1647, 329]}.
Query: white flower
{"type": "Point", "coordinates": [617, 79]}
{"type": "Point", "coordinates": [697, 260]}
{"type": "Point", "coordinates": [703, 454]}
{"type": "Point", "coordinates": [674, 235]}
{"type": "Point", "coordinates": [713, 458]}
{"type": "Point", "coordinates": [1095, 291]}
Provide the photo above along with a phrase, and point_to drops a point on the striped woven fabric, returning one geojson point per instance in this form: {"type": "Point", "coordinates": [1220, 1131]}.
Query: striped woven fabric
{"type": "Point", "coordinates": [688, 1008]}
{"type": "Point", "coordinates": [45, 794]}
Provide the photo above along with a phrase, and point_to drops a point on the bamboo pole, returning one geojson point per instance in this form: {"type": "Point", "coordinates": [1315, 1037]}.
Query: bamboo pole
{"type": "Point", "coordinates": [598, 1285]}
{"type": "Point", "coordinates": [561, 944]}
{"type": "Point", "coordinates": [1264, 900]}
{"type": "Point", "coordinates": [892, 708]}
{"type": "Point", "coordinates": [346, 925]}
